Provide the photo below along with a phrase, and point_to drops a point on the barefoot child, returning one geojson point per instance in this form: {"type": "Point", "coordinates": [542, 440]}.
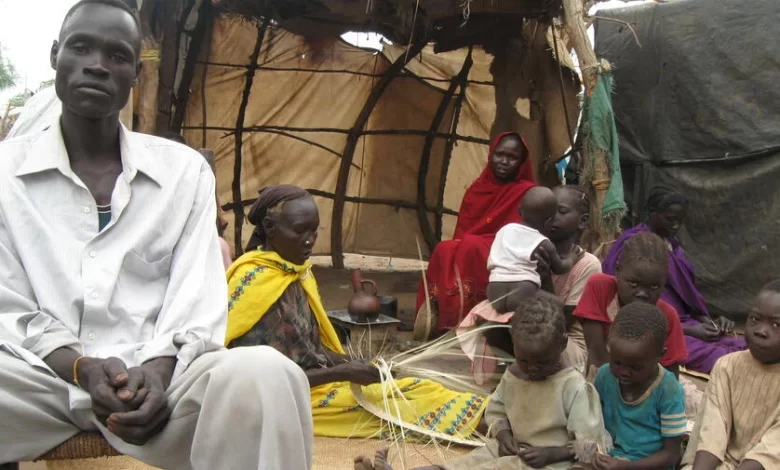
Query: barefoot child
{"type": "Point", "coordinates": [738, 427]}
{"type": "Point", "coordinates": [643, 403]}
{"type": "Point", "coordinates": [512, 263]}
{"type": "Point", "coordinates": [641, 276]}
{"type": "Point", "coordinates": [543, 411]}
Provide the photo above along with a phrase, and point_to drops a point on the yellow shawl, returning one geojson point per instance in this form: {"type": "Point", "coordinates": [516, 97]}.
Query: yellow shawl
{"type": "Point", "coordinates": [257, 280]}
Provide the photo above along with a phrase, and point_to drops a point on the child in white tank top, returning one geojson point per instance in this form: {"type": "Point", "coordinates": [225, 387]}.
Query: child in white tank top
{"type": "Point", "coordinates": [512, 260]}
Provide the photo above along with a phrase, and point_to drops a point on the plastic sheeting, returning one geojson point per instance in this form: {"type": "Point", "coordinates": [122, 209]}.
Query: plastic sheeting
{"type": "Point", "coordinates": [698, 107]}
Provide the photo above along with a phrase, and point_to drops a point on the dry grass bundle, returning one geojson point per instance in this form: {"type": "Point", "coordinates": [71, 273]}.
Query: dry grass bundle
{"type": "Point", "coordinates": [411, 364]}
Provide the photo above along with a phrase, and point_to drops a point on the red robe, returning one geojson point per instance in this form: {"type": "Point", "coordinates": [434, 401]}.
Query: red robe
{"type": "Point", "coordinates": [487, 206]}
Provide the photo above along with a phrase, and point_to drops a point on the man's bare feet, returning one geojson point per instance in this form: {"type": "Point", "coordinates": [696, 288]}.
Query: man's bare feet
{"type": "Point", "coordinates": [380, 462]}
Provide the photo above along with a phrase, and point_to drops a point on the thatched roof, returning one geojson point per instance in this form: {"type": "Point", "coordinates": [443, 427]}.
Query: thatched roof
{"type": "Point", "coordinates": [451, 24]}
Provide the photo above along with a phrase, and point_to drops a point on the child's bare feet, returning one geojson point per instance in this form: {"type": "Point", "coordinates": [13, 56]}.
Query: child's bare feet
{"type": "Point", "coordinates": [380, 462]}
{"type": "Point", "coordinates": [363, 463]}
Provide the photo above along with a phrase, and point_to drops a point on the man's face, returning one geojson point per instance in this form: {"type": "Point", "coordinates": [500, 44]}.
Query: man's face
{"type": "Point", "coordinates": [96, 60]}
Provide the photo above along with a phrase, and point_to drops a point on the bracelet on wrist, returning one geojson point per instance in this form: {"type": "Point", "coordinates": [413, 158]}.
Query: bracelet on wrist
{"type": "Point", "coordinates": [76, 371]}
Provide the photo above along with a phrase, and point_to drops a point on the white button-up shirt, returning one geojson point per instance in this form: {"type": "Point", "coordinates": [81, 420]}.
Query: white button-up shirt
{"type": "Point", "coordinates": [151, 284]}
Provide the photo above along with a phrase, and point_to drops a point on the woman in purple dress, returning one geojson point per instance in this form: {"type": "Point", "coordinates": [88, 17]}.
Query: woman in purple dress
{"type": "Point", "coordinates": [707, 338]}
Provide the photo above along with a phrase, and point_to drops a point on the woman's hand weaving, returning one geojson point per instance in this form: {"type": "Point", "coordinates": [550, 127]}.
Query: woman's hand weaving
{"type": "Point", "coordinates": [724, 324]}
{"type": "Point", "coordinates": [360, 372]}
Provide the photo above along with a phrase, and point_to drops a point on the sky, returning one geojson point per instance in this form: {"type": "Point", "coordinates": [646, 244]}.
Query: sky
{"type": "Point", "coordinates": [28, 27]}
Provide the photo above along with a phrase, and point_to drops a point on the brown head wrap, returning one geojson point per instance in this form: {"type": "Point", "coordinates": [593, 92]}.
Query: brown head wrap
{"type": "Point", "coordinates": [269, 198]}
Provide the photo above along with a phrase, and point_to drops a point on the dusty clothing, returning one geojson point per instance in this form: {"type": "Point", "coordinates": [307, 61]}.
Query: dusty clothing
{"type": "Point", "coordinates": [41, 111]}
{"type": "Point", "coordinates": [683, 295]}
{"type": "Point", "coordinates": [511, 254]}
{"type": "Point", "coordinates": [210, 427]}
{"type": "Point", "coordinates": [569, 412]}
{"type": "Point", "coordinates": [290, 328]}
{"type": "Point", "coordinates": [149, 285]}
{"type": "Point", "coordinates": [600, 303]}
{"type": "Point", "coordinates": [568, 287]}
{"type": "Point", "coordinates": [739, 418]}
{"type": "Point", "coordinates": [267, 291]}
{"type": "Point", "coordinates": [638, 428]}
{"type": "Point", "coordinates": [457, 274]}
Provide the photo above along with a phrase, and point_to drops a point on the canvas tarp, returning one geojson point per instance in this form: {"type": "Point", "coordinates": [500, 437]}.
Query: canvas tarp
{"type": "Point", "coordinates": [698, 107]}
{"type": "Point", "coordinates": [314, 91]}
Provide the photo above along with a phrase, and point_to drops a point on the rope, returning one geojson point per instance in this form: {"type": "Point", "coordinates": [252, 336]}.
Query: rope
{"type": "Point", "coordinates": [150, 55]}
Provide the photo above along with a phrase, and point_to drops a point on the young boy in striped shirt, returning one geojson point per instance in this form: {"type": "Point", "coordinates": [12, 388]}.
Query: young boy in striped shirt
{"type": "Point", "coordinates": [643, 403]}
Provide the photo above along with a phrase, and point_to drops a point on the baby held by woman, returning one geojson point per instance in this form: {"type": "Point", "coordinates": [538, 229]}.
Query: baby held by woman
{"type": "Point", "coordinates": [513, 255]}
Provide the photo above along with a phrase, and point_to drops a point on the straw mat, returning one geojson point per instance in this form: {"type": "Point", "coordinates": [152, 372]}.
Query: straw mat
{"type": "Point", "coordinates": [329, 454]}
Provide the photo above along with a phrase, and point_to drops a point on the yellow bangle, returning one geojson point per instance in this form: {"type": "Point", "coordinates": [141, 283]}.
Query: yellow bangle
{"type": "Point", "coordinates": [76, 371]}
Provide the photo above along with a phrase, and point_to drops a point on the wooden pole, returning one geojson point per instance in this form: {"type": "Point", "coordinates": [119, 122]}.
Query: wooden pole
{"type": "Point", "coordinates": [574, 20]}
{"type": "Point", "coordinates": [422, 174]}
{"type": "Point", "coordinates": [336, 227]}
{"type": "Point", "coordinates": [193, 54]}
{"type": "Point", "coordinates": [238, 210]}
{"type": "Point", "coordinates": [463, 82]}
{"type": "Point", "coordinates": [169, 52]}
{"type": "Point", "coordinates": [149, 80]}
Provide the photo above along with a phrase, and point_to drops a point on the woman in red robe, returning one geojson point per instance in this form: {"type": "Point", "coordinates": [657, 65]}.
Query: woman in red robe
{"type": "Point", "coordinates": [457, 273]}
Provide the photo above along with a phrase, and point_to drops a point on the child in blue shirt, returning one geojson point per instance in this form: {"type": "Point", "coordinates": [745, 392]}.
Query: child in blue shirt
{"type": "Point", "coordinates": [643, 403]}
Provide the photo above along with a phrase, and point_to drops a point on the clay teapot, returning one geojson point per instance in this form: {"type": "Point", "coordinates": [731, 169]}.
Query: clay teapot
{"type": "Point", "coordinates": [364, 306]}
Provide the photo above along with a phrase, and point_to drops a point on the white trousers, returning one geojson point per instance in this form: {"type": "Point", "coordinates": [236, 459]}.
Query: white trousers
{"type": "Point", "coordinates": [242, 409]}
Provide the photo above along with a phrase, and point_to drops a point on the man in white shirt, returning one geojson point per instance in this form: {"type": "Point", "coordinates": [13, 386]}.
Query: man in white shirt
{"type": "Point", "coordinates": [113, 302]}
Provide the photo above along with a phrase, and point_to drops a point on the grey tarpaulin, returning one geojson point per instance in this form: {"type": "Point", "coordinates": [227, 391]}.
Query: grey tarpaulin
{"type": "Point", "coordinates": [698, 107]}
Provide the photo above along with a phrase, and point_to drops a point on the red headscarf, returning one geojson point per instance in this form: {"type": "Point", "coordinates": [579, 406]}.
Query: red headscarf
{"type": "Point", "coordinates": [489, 204]}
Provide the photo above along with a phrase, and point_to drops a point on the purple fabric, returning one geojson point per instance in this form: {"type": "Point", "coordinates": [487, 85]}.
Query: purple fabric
{"type": "Point", "coordinates": [703, 355]}
{"type": "Point", "coordinates": [680, 290]}
{"type": "Point", "coordinates": [681, 293]}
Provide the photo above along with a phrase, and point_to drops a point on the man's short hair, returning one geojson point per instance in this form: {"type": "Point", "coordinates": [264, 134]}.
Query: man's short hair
{"type": "Point", "coordinates": [121, 4]}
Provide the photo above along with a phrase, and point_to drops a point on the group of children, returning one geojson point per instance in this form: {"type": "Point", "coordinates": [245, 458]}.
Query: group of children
{"type": "Point", "coordinates": [545, 414]}
{"type": "Point", "coordinates": [631, 414]}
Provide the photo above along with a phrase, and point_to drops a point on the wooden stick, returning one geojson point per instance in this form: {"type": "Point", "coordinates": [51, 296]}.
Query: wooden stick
{"type": "Point", "coordinates": [445, 165]}
{"type": "Point", "coordinates": [229, 131]}
{"type": "Point", "coordinates": [422, 173]}
{"type": "Point", "coordinates": [340, 71]}
{"type": "Point", "coordinates": [353, 136]}
{"type": "Point", "coordinates": [397, 203]}
{"type": "Point", "coordinates": [574, 19]}
{"type": "Point", "coordinates": [198, 37]}
{"type": "Point", "coordinates": [238, 210]}
{"type": "Point", "coordinates": [626, 23]}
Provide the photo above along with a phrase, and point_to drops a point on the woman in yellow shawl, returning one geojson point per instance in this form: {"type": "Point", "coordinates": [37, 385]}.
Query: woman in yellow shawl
{"type": "Point", "coordinates": [274, 301]}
